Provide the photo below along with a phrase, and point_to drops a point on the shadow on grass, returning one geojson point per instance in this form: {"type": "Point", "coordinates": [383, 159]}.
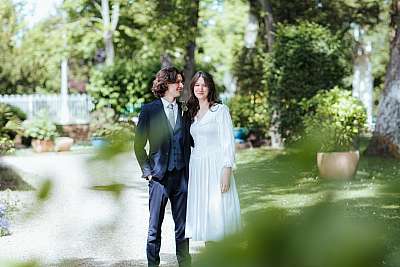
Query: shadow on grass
{"type": "Point", "coordinates": [268, 178]}
{"type": "Point", "coordinates": [283, 179]}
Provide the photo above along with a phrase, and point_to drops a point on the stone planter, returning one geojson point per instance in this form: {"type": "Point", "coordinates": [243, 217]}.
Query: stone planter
{"type": "Point", "coordinates": [338, 165]}
{"type": "Point", "coordinates": [42, 145]}
{"type": "Point", "coordinates": [63, 144]}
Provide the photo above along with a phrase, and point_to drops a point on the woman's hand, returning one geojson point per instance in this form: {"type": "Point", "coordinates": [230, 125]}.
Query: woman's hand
{"type": "Point", "coordinates": [225, 179]}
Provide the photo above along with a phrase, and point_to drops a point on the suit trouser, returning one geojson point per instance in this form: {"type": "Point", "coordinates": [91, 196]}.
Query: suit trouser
{"type": "Point", "coordinates": [173, 186]}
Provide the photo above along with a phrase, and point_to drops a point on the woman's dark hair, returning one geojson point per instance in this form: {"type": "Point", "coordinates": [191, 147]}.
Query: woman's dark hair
{"type": "Point", "coordinates": [164, 77]}
{"type": "Point", "coordinates": [193, 102]}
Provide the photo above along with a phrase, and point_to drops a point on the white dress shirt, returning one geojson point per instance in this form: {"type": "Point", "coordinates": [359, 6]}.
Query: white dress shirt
{"type": "Point", "coordinates": [175, 106]}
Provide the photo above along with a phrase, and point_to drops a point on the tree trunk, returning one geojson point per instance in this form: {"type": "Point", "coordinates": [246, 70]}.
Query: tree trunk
{"type": "Point", "coordinates": [276, 138]}
{"type": "Point", "coordinates": [363, 81]}
{"type": "Point", "coordinates": [189, 68]}
{"type": "Point", "coordinates": [252, 28]}
{"type": "Point", "coordinates": [110, 54]}
{"type": "Point", "coordinates": [268, 23]}
{"type": "Point", "coordinates": [166, 60]}
{"type": "Point", "coordinates": [386, 137]}
{"type": "Point", "coordinates": [109, 27]}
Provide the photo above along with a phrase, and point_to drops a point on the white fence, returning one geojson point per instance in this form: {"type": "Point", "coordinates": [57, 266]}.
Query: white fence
{"type": "Point", "coordinates": [79, 106]}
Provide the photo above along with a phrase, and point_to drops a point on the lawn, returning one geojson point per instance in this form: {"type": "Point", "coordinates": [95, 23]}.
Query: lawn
{"type": "Point", "coordinates": [279, 179]}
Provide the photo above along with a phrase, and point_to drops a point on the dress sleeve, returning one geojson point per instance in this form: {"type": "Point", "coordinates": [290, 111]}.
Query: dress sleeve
{"type": "Point", "coordinates": [225, 132]}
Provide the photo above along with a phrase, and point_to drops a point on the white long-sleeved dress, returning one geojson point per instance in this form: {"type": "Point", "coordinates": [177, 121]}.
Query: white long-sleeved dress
{"type": "Point", "coordinates": [211, 214]}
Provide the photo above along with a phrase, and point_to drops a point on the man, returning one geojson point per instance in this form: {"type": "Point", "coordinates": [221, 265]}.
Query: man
{"type": "Point", "coordinates": [165, 167]}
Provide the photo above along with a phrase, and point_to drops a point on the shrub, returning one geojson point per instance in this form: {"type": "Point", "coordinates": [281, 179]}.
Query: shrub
{"type": "Point", "coordinates": [41, 127]}
{"type": "Point", "coordinates": [124, 86]}
{"type": "Point", "coordinates": [307, 58]}
{"type": "Point", "coordinates": [335, 119]}
{"type": "Point", "coordinates": [6, 145]}
{"type": "Point", "coordinates": [103, 123]}
{"type": "Point", "coordinates": [250, 111]}
{"type": "Point", "coordinates": [249, 68]}
{"type": "Point", "coordinates": [10, 120]}
{"type": "Point", "coordinates": [10, 125]}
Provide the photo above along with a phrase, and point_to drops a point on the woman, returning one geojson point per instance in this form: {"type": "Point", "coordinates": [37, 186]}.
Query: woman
{"type": "Point", "coordinates": [213, 209]}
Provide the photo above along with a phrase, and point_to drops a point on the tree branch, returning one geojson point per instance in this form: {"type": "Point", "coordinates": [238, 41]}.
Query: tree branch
{"type": "Point", "coordinates": [97, 6]}
{"type": "Point", "coordinates": [105, 13]}
{"type": "Point", "coordinates": [115, 16]}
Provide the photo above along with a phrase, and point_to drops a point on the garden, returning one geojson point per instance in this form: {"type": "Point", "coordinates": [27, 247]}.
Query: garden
{"type": "Point", "coordinates": [311, 89]}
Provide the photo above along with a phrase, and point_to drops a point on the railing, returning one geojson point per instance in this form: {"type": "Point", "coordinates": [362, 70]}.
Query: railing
{"type": "Point", "coordinates": [79, 106]}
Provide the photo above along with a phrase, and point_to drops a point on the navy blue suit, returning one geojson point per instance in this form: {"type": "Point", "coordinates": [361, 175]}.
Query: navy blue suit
{"type": "Point", "coordinates": [167, 162]}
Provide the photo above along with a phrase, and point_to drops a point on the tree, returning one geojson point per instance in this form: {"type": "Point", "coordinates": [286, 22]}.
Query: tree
{"type": "Point", "coordinates": [110, 24]}
{"type": "Point", "coordinates": [29, 58]}
{"type": "Point", "coordinates": [268, 23]}
{"type": "Point", "coordinates": [386, 137]}
{"type": "Point", "coordinates": [306, 59]}
{"type": "Point", "coordinates": [8, 29]}
{"type": "Point", "coordinates": [336, 15]}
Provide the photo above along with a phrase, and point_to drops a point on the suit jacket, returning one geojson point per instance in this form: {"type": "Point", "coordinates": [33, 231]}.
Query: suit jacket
{"type": "Point", "coordinates": [153, 126]}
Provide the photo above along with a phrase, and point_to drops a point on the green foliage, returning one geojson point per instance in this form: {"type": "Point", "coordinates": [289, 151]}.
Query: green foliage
{"type": "Point", "coordinates": [221, 29]}
{"type": "Point", "coordinates": [41, 127]}
{"type": "Point", "coordinates": [8, 29]}
{"type": "Point", "coordinates": [38, 59]}
{"type": "Point", "coordinates": [103, 123]}
{"type": "Point", "coordinates": [307, 58]}
{"type": "Point", "coordinates": [250, 69]}
{"type": "Point", "coordinates": [124, 87]}
{"type": "Point", "coordinates": [10, 125]}
{"type": "Point", "coordinates": [45, 190]}
{"type": "Point", "coordinates": [6, 145]}
{"type": "Point", "coordinates": [10, 120]}
{"type": "Point", "coordinates": [319, 236]}
{"type": "Point", "coordinates": [335, 118]}
{"type": "Point", "coordinates": [250, 111]}
{"type": "Point", "coordinates": [119, 141]}
{"type": "Point", "coordinates": [267, 179]}
{"type": "Point", "coordinates": [29, 58]}
{"type": "Point", "coordinates": [336, 15]}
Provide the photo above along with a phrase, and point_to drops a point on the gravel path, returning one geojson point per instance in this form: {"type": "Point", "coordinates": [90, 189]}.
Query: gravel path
{"type": "Point", "coordinates": [79, 226]}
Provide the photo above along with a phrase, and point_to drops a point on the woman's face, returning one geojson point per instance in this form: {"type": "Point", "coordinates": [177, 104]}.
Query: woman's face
{"type": "Point", "coordinates": [200, 89]}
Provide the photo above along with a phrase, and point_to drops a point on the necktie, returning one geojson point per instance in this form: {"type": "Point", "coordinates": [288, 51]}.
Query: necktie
{"type": "Point", "coordinates": [171, 115]}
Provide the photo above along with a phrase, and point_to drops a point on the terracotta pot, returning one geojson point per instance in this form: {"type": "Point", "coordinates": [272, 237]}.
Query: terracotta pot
{"type": "Point", "coordinates": [42, 145]}
{"type": "Point", "coordinates": [338, 165]}
{"type": "Point", "coordinates": [63, 144]}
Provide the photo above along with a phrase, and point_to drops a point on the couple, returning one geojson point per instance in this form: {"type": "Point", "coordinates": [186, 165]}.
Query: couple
{"type": "Point", "coordinates": [190, 162]}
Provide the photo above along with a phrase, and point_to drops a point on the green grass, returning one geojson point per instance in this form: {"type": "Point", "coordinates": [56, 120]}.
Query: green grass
{"type": "Point", "coordinates": [283, 179]}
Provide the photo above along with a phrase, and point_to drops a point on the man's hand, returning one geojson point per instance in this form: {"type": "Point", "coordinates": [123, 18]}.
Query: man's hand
{"type": "Point", "coordinates": [225, 179]}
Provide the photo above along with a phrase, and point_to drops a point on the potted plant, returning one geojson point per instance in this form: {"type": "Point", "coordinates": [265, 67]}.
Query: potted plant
{"type": "Point", "coordinates": [101, 126]}
{"type": "Point", "coordinates": [250, 116]}
{"type": "Point", "coordinates": [334, 121]}
{"type": "Point", "coordinates": [10, 127]}
{"type": "Point", "coordinates": [42, 131]}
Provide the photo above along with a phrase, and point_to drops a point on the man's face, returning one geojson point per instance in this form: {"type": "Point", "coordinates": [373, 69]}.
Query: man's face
{"type": "Point", "coordinates": [175, 89]}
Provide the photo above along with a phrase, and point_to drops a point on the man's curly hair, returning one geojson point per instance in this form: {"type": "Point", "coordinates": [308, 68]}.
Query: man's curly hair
{"type": "Point", "coordinates": [164, 77]}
